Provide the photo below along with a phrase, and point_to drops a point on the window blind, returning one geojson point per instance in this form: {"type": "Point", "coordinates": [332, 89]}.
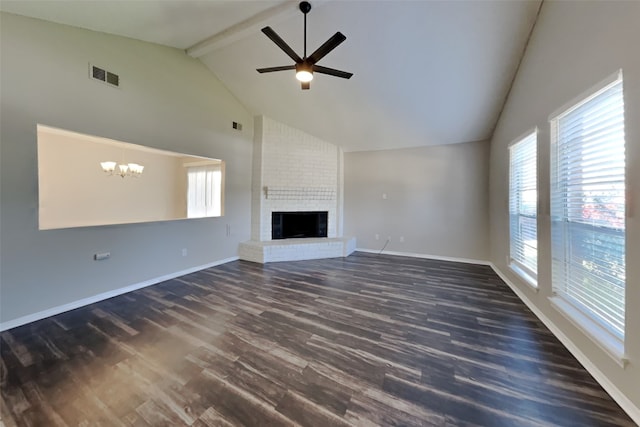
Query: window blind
{"type": "Point", "coordinates": [588, 207]}
{"type": "Point", "coordinates": [523, 201]}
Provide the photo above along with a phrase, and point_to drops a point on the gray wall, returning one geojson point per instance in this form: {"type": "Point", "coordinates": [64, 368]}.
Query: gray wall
{"type": "Point", "coordinates": [575, 45]}
{"type": "Point", "coordinates": [436, 200]}
{"type": "Point", "coordinates": [166, 100]}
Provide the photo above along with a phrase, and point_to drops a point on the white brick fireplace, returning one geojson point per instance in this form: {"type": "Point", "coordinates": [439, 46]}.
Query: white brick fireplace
{"type": "Point", "coordinates": [294, 172]}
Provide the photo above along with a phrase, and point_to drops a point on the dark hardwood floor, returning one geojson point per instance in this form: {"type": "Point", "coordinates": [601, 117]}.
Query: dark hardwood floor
{"type": "Point", "coordinates": [367, 340]}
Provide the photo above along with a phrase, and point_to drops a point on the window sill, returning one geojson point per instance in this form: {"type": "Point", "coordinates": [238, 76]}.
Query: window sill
{"type": "Point", "coordinates": [528, 279]}
{"type": "Point", "coordinates": [610, 344]}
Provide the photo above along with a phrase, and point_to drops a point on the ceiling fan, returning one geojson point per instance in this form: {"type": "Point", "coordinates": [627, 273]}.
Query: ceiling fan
{"type": "Point", "coordinates": [307, 65]}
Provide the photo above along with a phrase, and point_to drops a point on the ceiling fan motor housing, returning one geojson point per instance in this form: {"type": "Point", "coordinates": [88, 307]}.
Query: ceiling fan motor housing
{"type": "Point", "coordinates": [304, 66]}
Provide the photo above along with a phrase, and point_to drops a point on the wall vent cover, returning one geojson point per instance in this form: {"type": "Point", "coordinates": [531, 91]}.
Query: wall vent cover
{"type": "Point", "coordinates": [113, 79]}
{"type": "Point", "coordinates": [104, 76]}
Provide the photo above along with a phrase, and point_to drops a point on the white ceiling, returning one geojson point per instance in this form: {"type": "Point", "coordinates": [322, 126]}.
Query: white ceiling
{"type": "Point", "coordinates": [425, 72]}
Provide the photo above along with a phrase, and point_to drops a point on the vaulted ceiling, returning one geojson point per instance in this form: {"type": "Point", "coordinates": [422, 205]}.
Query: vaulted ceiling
{"type": "Point", "coordinates": [425, 72]}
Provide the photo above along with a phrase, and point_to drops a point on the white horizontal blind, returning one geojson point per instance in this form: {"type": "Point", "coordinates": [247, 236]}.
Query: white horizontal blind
{"type": "Point", "coordinates": [204, 191]}
{"type": "Point", "coordinates": [588, 207]}
{"type": "Point", "coordinates": [523, 201]}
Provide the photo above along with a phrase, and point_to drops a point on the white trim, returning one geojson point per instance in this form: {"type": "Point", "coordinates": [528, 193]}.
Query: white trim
{"type": "Point", "coordinates": [426, 256]}
{"type": "Point", "coordinates": [523, 272]}
{"type": "Point", "coordinates": [105, 295]}
{"type": "Point", "coordinates": [625, 403]}
{"type": "Point", "coordinates": [613, 346]}
{"type": "Point", "coordinates": [211, 162]}
{"type": "Point", "coordinates": [632, 410]}
{"type": "Point", "coordinates": [586, 96]}
{"type": "Point", "coordinates": [527, 134]}
{"type": "Point", "coordinates": [518, 267]}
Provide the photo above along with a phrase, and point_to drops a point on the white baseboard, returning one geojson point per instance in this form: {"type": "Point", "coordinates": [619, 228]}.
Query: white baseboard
{"type": "Point", "coordinates": [105, 295]}
{"type": "Point", "coordinates": [629, 407]}
{"type": "Point", "coordinates": [426, 256]}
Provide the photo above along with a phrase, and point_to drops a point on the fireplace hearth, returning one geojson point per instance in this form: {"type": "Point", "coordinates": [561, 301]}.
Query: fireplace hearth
{"type": "Point", "coordinates": [295, 225]}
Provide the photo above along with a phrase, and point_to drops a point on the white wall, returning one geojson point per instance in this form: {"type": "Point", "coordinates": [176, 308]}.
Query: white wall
{"type": "Point", "coordinates": [166, 100]}
{"type": "Point", "coordinates": [574, 46]}
{"type": "Point", "coordinates": [436, 200]}
{"type": "Point", "coordinates": [304, 169]}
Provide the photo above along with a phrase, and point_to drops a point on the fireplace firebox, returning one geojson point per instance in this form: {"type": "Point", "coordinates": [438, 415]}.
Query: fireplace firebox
{"type": "Point", "coordinates": [291, 225]}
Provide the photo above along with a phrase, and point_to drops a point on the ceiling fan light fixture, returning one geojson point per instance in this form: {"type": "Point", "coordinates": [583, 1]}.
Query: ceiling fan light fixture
{"type": "Point", "coordinates": [304, 73]}
{"type": "Point", "coordinates": [305, 66]}
{"type": "Point", "coordinates": [304, 76]}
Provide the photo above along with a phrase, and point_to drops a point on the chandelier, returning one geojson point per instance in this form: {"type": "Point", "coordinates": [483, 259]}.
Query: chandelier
{"type": "Point", "coordinates": [128, 169]}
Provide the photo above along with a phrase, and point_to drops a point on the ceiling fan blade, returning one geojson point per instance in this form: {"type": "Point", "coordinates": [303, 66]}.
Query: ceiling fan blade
{"type": "Point", "coordinates": [305, 85]}
{"type": "Point", "coordinates": [327, 47]}
{"type": "Point", "coordinates": [281, 44]}
{"type": "Point", "coordinates": [332, 72]}
{"type": "Point", "coordinates": [272, 69]}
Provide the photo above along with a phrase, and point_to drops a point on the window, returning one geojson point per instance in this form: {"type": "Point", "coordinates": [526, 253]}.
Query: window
{"type": "Point", "coordinates": [204, 191]}
{"type": "Point", "coordinates": [523, 202]}
{"type": "Point", "coordinates": [588, 208]}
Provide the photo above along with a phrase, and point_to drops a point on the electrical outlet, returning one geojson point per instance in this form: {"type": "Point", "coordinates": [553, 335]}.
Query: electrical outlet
{"type": "Point", "coordinates": [388, 238]}
{"type": "Point", "coordinates": [377, 237]}
{"type": "Point", "coordinates": [401, 239]}
{"type": "Point", "coordinates": [384, 196]}
{"type": "Point", "coordinates": [184, 251]}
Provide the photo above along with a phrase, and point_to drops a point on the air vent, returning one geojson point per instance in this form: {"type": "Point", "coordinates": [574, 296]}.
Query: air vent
{"type": "Point", "coordinates": [104, 76]}
{"type": "Point", "coordinates": [113, 79]}
{"type": "Point", "coordinates": [98, 73]}
{"type": "Point", "coordinates": [237, 126]}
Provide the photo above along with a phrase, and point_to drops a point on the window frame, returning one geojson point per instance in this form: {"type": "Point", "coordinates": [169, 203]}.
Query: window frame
{"type": "Point", "coordinates": [516, 264]}
{"type": "Point", "coordinates": [205, 199]}
{"type": "Point", "coordinates": [580, 316]}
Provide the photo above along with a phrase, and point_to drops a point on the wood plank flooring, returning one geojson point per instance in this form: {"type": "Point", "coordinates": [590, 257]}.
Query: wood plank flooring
{"type": "Point", "coordinates": [362, 341]}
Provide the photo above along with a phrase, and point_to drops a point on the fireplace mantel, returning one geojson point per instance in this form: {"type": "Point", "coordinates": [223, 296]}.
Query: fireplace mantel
{"type": "Point", "coordinates": [300, 193]}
